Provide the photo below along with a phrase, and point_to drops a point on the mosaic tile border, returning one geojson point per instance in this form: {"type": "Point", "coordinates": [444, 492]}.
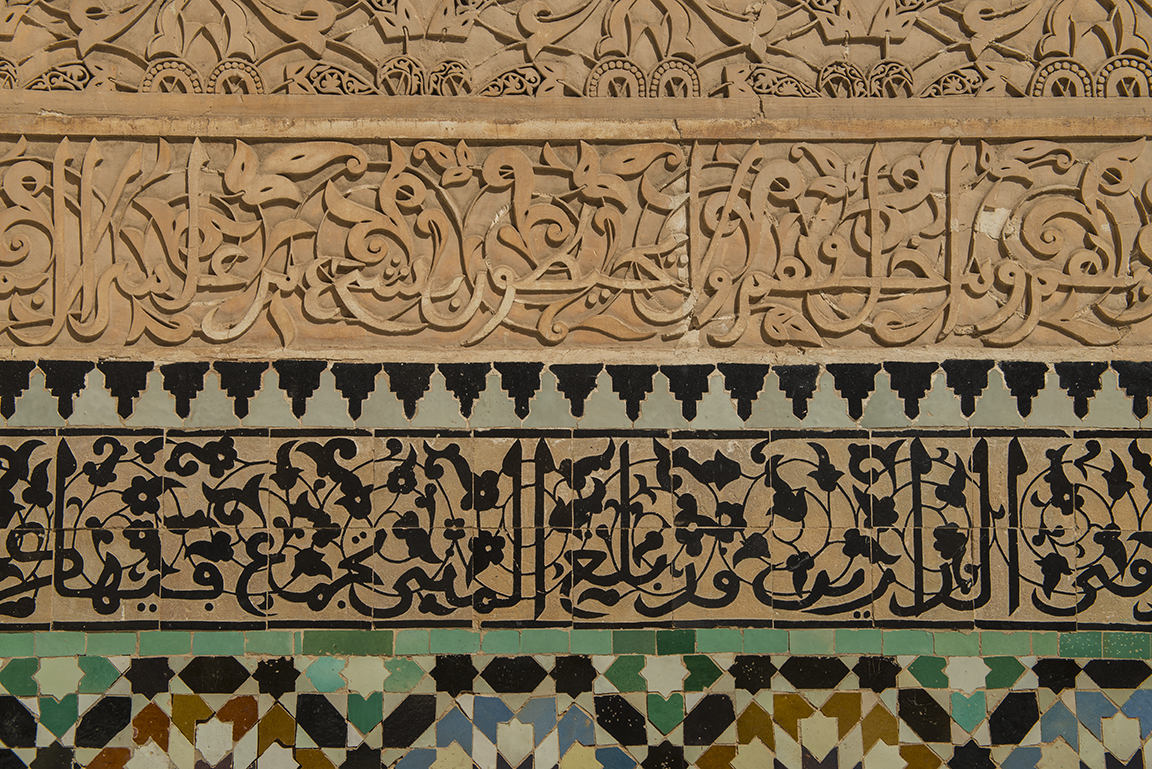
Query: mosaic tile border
{"type": "Point", "coordinates": [316, 393]}
{"type": "Point", "coordinates": [612, 699]}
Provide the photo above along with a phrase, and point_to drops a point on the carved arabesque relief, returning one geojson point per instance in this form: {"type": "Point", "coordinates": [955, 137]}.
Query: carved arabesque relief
{"type": "Point", "coordinates": [601, 48]}
{"type": "Point", "coordinates": [850, 244]}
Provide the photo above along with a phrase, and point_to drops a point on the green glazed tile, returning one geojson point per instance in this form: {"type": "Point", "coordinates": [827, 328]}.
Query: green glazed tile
{"type": "Point", "coordinates": [858, 641]}
{"type": "Point", "coordinates": [1082, 644]}
{"type": "Point", "coordinates": [403, 674]}
{"type": "Point", "coordinates": [111, 644]}
{"type": "Point", "coordinates": [268, 642]}
{"type": "Point", "coordinates": [907, 642]}
{"type": "Point", "coordinates": [675, 642]}
{"type": "Point", "coordinates": [409, 642]}
{"type": "Point", "coordinates": [162, 643]}
{"type": "Point", "coordinates": [590, 641]}
{"type": "Point", "coordinates": [544, 641]}
{"type": "Point", "coordinates": [324, 674]}
{"type": "Point", "coordinates": [1126, 645]}
{"type": "Point", "coordinates": [719, 640]}
{"type": "Point", "coordinates": [1004, 671]}
{"type": "Point", "coordinates": [59, 644]}
{"type": "Point", "coordinates": [58, 717]}
{"type": "Point", "coordinates": [702, 672]}
{"type": "Point", "coordinates": [454, 641]}
{"type": "Point", "coordinates": [16, 645]}
{"type": "Point", "coordinates": [99, 674]}
{"type": "Point", "coordinates": [633, 642]}
{"type": "Point", "coordinates": [820, 641]}
{"type": "Point", "coordinates": [1045, 644]}
{"type": "Point", "coordinates": [365, 713]}
{"type": "Point", "coordinates": [996, 642]}
{"type": "Point", "coordinates": [352, 643]}
{"type": "Point", "coordinates": [765, 641]}
{"type": "Point", "coordinates": [929, 671]}
{"type": "Point", "coordinates": [500, 642]}
{"type": "Point", "coordinates": [969, 711]}
{"type": "Point", "coordinates": [16, 677]}
{"type": "Point", "coordinates": [624, 673]}
{"type": "Point", "coordinates": [665, 714]}
{"type": "Point", "coordinates": [218, 644]}
{"type": "Point", "coordinates": [957, 644]}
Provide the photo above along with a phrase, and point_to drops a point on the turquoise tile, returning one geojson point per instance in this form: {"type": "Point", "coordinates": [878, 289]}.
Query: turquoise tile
{"type": "Point", "coordinates": [996, 643]}
{"type": "Point", "coordinates": [957, 644]}
{"type": "Point", "coordinates": [454, 641]}
{"type": "Point", "coordinates": [1045, 644]}
{"type": "Point", "coordinates": [1126, 645]}
{"type": "Point", "coordinates": [410, 642]}
{"type": "Point", "coordinates": [907, 642]}
{"type": "Point", "coordinates": [818, 641]}
{"type": "Point", "coordinates": [544, 641]}
{"type": "Point", "coordinates": [161, 643]}
{"type": "Point", "coordinates": [215, 644]}
{"type": "Point", "coordinates": [858, 641]}
{"type": "Point", "coordinates": [99, 674]}
{"type": "Point", "coordinates": [633, 642]}
{"type": "Point", "coordinates": [355, 643]}
{"type": "Point", "coordinates": [1082, 644]}
{"type": "Point", "coordinates": [765, 641]}
{"type": "Point", "coordinates": [719, 640]}
{"type": "Point", "coordinates": [16, 645]}
{"type": "Point", "coordinates": [59, 644]}
{"type": "Point", "coordinates": [675, 641]}
{"type": "Point", "coordinates": [111, 644]}
{"type": "Point", "coordinates": [268, 642]}
{"type": "Point", "coordinates": [590, 641]}
{"type": "Point", "coordinates": [500, 642]}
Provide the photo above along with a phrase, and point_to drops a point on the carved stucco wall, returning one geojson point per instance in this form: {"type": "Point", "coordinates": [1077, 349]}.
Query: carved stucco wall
{"type": "Point", "coordinates": [595, 383]}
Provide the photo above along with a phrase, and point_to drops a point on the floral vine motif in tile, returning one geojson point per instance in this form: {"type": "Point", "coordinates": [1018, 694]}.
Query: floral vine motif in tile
{"type": "Point", "coordinates": [233, 527]}
{"type": "Point", "coordinates": [795, 244]}
{"type": "Point", "coordinates": [599, 48]}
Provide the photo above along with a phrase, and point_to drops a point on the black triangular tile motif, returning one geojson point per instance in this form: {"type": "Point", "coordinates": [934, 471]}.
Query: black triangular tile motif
{"type": "Point", "coordinates": [1081, 380]}
{"type": "Point", "coordinates": [363, 757]}
{"type": "Point", "coordinates": [1112, 762]}
{"type": "Point", "coordinates": [632, 384]}
{"type": "Point", "coordinates": [520, 381]}
{"type": "Point", "coordinates": [972, 756]}
{"type": "Point", "coordinates": [17, 725]}
{"type": "Point", "coordinates": [1118, 674]}
{"type": "Point", "coordinates": [299, 380]}
{"type": "Point", "coordinates": [855, 382]}
{"type": "Point", "coordinates": [214, 675]}
{"type": "Point", "coordinates": [620, 719]}
{"type": "Point", "coordinates": [103, 721]}
{"type": "Point", "coordinates": [65, 379]}
{"type": "Point", "coordinates": [688, 385]}
{"type": "Point", "coordinates": [466, 381]}
{"type": "Point", "coordinates": [968, 379]}
{"type": "Point", "coordinates": [241, 381]}
{"type": "Point", "coordinates": [753, 673]}
{"type": "Point", "coordinates": [665, 756]}
{"type": "Point", "coordinates": [1056, 674]}
{"type": "Point", "coordinates": [184, 381]}
{"type": "Point", "coordinates": [1024, 379]}
{"type": "Point", "coordinates": [576, 381]}
{"type": "Point", "coordinates": [911, 381]}
{"type": "Point", "coordinates": [809, 761]}
{"type": "Point", "coordinates": [15, 376]}
{"type": "Point", "coordinates": [411, 718]}
{"type": "Point", "coordinates": [744, 382]}
{"type": "Point", "coordinates": [276, 676]}
{"type": "Point", "coordinates": [798, 383]}
{"type": "Point", "coordinates": [125, 380]}
{"type": "Point", "coordinates": [54, 756]}
{"type": "Point", "coordinates": [502, 763]}
{"type": "Point", "coordinates": [508, 675]}
{"type": "Point", "coordinates": [320, 719]}
{"type": "Point", "coordinates": [573, 675]}
{"type": "Point", "coordinates": [708, 720]}
{"type": "Point", "coordinates": [409, 382]}
{"type": "Point", "coordinates": [9, 760]}
{"type": "Point", "coordinates": [1136, 380]}
{"type": "Point", "coordinates": [814, 672]}
{"type": "Point", "coordinates": [923, 713]}
{"type": "Point", "coordinates": [1013, 718]}
{"type": "Point", "coordinates": [356, 381]}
